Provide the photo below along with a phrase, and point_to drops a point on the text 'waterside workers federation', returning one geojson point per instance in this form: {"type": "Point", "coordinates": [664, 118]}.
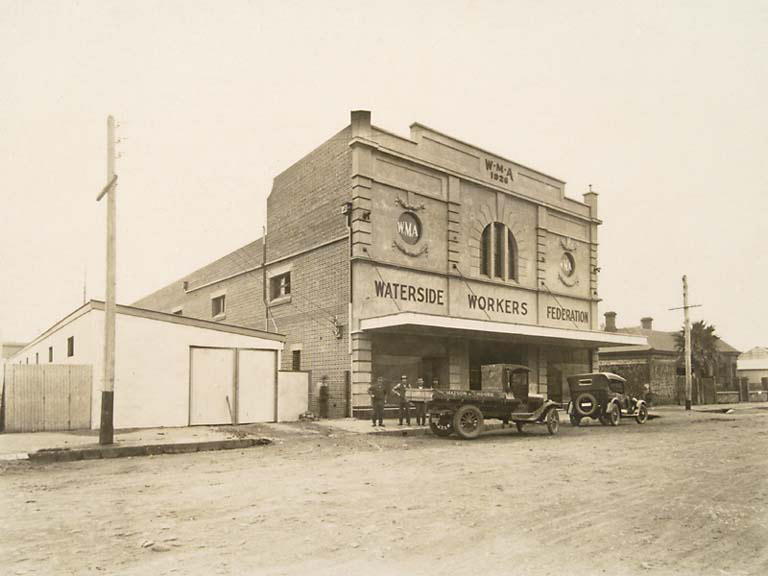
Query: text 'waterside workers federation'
{"type": "Point", "coordinates": [423, 256]}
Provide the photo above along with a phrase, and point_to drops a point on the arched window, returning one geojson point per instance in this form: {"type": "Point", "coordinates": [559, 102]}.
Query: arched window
{"type": "Point", "coordinates": [498, 252]}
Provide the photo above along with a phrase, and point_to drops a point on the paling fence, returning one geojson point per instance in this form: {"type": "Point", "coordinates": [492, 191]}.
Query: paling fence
{"type": "Point", "coordinates": [713, 391]}
{"type": "Point", "coordinates": [46, 397]}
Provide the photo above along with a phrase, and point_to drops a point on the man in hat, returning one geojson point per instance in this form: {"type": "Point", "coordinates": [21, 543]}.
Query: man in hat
{"type": "Point", "coordinates": [378, 394]}
{"type": "Point", "coordinates": [421, 407]}
{"type": "Point", "coordinates": [400, 389]}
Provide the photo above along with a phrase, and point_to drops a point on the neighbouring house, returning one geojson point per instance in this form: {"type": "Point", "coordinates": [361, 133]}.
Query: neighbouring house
{"type": "Point", "coordinates": [753, 365]}
{"type": "Point", "coordinates": [170, 370]}
{"type": "Point", "coordinates": [655, 367]}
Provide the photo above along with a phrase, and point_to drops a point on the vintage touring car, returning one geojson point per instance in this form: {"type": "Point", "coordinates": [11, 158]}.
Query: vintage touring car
{"type": "Point", "coordinates": [601, 396]}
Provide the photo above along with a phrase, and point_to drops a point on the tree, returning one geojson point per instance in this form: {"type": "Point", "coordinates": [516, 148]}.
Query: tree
{"type": "Point", "coordinates": [704, 353]}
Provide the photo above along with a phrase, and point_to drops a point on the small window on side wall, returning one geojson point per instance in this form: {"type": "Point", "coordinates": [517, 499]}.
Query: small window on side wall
{"type": "Point", "coordinates": [280, 286]}
{"type": "Point", "coordinates": [50, 354]}
{"type": "Point", "coordinates": [296, 360]}
{"type": "Point", "coordinates": [218, 306]}
{"type": "Point", "coordinates": [70, 346]}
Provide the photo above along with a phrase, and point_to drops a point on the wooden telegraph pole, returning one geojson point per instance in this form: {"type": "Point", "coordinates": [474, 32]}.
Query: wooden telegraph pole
{"type": "Point", "coordinates": [106, 430]}
{"type": "Point", "coordinates": [687, 352]}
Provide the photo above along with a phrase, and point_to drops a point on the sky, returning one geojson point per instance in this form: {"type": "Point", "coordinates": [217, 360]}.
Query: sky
{"type": "Point", "coordinates": [661, 106]}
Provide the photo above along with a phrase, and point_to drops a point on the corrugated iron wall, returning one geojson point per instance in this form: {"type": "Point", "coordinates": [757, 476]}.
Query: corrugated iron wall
{"type": "Point", "coordinates": [47, 397]}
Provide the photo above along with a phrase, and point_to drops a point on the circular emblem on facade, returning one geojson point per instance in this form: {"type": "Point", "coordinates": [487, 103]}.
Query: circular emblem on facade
{"type": "Point", "coordinates": [567, 265]}
{"type": "Point", "coordinates": [409, 227]}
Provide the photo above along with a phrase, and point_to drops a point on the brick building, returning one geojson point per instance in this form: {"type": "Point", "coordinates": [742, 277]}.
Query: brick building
{"type": "Point", "coordinates": [423, 256]}
{"type": "Point", "coordinates": [657, 363]}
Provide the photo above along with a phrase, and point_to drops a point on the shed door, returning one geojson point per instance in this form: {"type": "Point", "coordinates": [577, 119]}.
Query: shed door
{"type": "Point", "coordinates": [257, 370]}
{"type": "Point", "coordinates": [211, 398]}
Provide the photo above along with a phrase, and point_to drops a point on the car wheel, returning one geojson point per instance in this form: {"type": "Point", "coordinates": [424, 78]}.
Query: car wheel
{"type": "Point", "coordinates": [642, 414]}
{"type": "Point", "coordinates": [468, 422]}
{"type": "Point", "coordinates": [441, 426]}
{"type": "Point", "coordinates": [575, 420]}
{"type": "Point", "coordinates": [553, 421]}
{"type": "Point", "coordinates": [614, 416]}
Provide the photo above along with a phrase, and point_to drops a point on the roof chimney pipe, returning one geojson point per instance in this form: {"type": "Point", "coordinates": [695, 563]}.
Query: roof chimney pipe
{"type": "Point", "coordinates": [610, 322]}
{"type": "Point", "coordinates": [647, 323]}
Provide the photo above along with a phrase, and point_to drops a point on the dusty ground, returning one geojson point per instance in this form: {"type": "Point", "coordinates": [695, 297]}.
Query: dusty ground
{"type": "Point", "coordinates": [680, 495]}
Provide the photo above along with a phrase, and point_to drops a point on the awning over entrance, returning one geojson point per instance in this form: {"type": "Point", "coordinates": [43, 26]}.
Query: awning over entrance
{"type": "Point", "coordinates": [416, 323]}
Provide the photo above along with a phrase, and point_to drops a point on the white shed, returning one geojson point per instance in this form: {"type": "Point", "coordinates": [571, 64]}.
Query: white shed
{"type": "Point", "coordinates": [170, 370]}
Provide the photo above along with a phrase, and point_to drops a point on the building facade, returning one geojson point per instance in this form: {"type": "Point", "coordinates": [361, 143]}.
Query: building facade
{"type": "Point", "coordinates": [422, 255]}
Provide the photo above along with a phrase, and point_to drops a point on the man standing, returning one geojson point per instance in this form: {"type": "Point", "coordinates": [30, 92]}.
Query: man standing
{"type": "Point", "coordinates": [378, 393]}
{"type": "Point", "coordinates": [421, 412]}
{"type": "Point", "coordinates": [400, 389]}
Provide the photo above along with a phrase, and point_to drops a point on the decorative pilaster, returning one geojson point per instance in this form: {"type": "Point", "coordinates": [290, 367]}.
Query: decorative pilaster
{"type": "Point", "coordinates": [541, 247]}
{"type": "Point", "coordinates": [362, 369]}
{"type": "Point", "coordinates": [454, 222]}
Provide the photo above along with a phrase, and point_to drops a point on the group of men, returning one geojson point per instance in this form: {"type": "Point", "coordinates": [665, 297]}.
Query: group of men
{"type": "Point", "coordinates": [378, 394]}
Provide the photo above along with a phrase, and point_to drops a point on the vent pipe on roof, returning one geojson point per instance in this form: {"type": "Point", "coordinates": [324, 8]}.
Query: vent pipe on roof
{"type": "Point", "coordinates": [647, 323]}
{"type": "Point", "coordinates": [610, 322]}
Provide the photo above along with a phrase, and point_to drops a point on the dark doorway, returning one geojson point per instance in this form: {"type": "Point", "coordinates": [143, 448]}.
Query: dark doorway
{"type": "Point", "coordinates": [555, 383]}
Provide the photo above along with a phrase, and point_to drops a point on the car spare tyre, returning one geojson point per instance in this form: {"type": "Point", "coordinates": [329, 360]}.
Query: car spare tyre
{"type": "Point", "coordinates": [586, 405]}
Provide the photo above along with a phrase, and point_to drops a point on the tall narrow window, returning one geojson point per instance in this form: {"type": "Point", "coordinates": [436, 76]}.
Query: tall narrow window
{"type": "Point", "coordinates": [50, 354]}
{"type": "Point", "coordinates": [485, 252]}
{"type": "Point", "coordinates": [511, 256]}
{"type": "Point", "coordinates": [37, 357]}
{"type": "Point", "coordinates": [498, 249]}
{"type": "Point", "coordinates": [296, 360]}
{"type": "Point", "coordinates": [70, 346]}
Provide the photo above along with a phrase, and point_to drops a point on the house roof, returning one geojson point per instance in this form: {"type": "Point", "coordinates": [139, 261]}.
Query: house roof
{"type": "Point", "coordinates": [659, 341]}
{"type": "Point", "coordinates": [158, 316]}
{"type": "Point", "coordinates": [756, 353]}
{"type": "Point", "coordinates": [753, 359]}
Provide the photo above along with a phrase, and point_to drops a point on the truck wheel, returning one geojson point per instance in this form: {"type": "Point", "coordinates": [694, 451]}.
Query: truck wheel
{"type": "Point", "coordinates": [442, 426]}
{"type": "Point", "coordinates": [575, 420]}
{"type": "Point", "coordinates": [642, 414]}
{"type": "Point", "coordinates": [468, 422]}
{"type": "Point", "coordinates": [553, 421]}
{"type": "Point", "coordinates": [519, 426]}
{"type": "Point", "coordinates": [614, 416]}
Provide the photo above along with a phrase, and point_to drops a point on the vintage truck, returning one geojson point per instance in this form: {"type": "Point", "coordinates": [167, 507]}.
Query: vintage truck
{"type": "Point", "coordinates": [505, 397]}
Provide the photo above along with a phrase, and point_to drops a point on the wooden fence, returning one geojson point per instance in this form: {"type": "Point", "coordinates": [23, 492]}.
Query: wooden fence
{"type": "Point", "coordinates": [47, 397]}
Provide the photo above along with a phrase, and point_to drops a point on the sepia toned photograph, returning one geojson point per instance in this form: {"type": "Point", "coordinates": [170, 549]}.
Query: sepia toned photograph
{"type": "Point", "coordinates": [383, 288]}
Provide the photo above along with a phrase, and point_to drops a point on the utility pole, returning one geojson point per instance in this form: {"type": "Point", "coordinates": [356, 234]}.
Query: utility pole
{"type": "Point", "coordinates": [106, 430]}
{"type": "Point", "coordinates": [687, 330]}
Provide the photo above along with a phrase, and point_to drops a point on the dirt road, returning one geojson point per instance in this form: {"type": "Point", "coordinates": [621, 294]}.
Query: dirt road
{"type": "Point", "coordinates": [682, 494]}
